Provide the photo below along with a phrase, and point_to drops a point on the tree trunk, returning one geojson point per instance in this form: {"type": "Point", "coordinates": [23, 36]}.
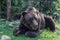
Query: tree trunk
{"type": "Point", "coordinates": [9, 14]}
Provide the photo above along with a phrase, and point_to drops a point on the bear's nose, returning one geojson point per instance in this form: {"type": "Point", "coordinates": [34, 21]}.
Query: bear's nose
{"type": "Point", "coordinates": [36, 26]}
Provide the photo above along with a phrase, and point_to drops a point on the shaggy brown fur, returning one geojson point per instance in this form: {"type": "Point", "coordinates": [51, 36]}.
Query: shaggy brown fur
{"type": "Point", "coordinates": [32, 21]}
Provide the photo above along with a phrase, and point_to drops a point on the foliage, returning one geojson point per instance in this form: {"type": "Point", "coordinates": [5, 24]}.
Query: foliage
{"type": "Point", "coordinates": [47, 7]}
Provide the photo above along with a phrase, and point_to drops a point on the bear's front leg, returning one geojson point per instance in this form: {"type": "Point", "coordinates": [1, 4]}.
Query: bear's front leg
{"type": "Point", "coordinates": [16, 31]}
{"type": "Point", "coordinates": [19, 30]}
{"type": "Point", "coordinates": [31, 34]}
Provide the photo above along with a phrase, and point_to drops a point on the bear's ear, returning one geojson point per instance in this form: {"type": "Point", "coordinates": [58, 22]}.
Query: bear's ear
{"type": "Point", "coordinates": [24, 13]}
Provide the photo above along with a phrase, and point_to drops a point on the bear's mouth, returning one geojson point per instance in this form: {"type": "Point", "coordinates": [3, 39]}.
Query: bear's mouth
{"type": "Point", "coordinates": [35, 28]}
{"type": "Point", "coordinates": [31, 27]}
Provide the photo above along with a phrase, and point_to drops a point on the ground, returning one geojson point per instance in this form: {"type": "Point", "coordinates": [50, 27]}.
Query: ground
{"type": "Point", "coordinates": [5, 29]}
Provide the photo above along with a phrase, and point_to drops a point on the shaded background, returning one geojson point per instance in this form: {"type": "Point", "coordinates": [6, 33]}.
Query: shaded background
{"type": "Point", "coordinates": [11, 9]}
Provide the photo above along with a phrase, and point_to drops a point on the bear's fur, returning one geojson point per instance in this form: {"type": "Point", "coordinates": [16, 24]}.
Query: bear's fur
{"type": "Point", "coordinates": [32, 21]}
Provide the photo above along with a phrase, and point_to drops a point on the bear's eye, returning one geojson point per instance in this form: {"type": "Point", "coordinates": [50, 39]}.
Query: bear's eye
{"type": "Point", "coordinates": [30, 20]}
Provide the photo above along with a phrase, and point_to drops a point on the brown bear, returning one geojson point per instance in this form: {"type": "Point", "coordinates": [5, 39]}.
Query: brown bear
{"type": "Point", "coordinates": [32, 21]}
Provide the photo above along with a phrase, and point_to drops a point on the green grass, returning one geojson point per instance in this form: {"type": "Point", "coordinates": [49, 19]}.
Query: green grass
{"type": "Point", "coordinates": [5, 29]}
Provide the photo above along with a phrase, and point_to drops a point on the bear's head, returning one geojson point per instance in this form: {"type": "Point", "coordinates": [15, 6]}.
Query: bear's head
{"type": "Point", "coordinates": [30, 18]}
